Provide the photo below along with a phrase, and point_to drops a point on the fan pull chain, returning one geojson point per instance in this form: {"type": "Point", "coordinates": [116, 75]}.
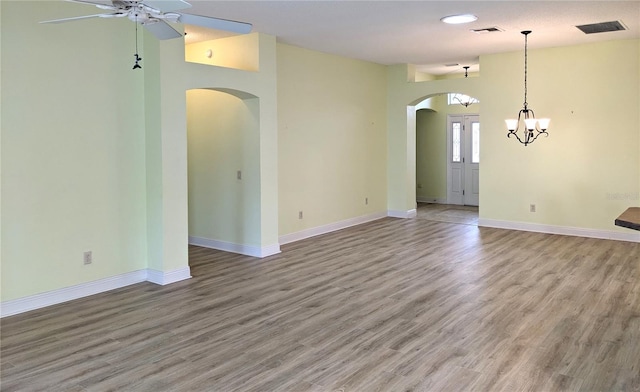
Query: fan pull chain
{"type": "Point", "coordinates": [138, 58]}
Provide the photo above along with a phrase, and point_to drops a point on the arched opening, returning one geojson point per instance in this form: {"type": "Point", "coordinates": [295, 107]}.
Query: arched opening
{"type": "Point", "coordinates": [447, 160]}
{"type": "Point", "coordinates": [223, 165]}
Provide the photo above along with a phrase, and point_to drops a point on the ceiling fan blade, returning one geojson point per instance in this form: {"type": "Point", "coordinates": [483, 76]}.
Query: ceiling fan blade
{"type": "Point", "coordinates": [103, 4]}
{"type": "Point", "coordinates": [167, 5]}
{"type": "Point", "coordinates": [216, 23]}
{"type": "Point", "coordinates": [80, 17]}
{"type": "Point", "coordinates": [162, 30]}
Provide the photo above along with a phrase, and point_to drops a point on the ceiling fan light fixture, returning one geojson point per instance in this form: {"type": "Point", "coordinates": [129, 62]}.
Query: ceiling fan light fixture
{"type": "Point", "coordinates": [459, 19]}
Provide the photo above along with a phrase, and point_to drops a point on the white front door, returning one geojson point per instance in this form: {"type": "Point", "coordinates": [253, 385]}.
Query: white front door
{"type": "Point", "coordinates": [463, 167]}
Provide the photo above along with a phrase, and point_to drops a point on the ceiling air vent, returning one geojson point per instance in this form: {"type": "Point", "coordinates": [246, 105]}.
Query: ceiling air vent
{"type": "Point", "coordinates": [487, 30]}
{"type": "Point", "coordinates": [602, 27]}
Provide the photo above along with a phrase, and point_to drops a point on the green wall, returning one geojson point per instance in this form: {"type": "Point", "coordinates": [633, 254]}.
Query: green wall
{"type": "Point", "coordinates": [586, 172]}
{"type": "Point", "coordinates": [331, 131]}
{"type": "Point", "coordinates": [431, 156]}
{"type": "Point", "coordinates": [73, 150]}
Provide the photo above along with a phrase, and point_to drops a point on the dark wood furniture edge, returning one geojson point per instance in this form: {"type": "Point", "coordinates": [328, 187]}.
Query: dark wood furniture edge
{"type": "Point", "coordinates": [629, 219]}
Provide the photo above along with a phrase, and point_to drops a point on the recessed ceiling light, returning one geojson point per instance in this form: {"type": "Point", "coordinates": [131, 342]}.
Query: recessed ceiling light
{"type": "Point", "coordinates": [459, 19]}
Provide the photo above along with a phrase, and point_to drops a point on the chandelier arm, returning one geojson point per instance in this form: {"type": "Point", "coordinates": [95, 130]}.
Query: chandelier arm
{"type": "Point", "coordinates": [540, 133]}
{"type": "Point", "coordinates": [513, 133]}
{"type": "Point", "coordinates": [532, 139]}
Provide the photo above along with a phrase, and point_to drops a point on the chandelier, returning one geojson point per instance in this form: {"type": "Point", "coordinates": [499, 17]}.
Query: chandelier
{"type": "Point", "coordinates": [532, 127]}
{"type": "Point", "coordinates": [463, 99]}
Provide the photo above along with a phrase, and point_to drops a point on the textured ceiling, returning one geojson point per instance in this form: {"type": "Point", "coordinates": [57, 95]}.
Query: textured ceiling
{"type": "Point", "coordinates": [396, 32]}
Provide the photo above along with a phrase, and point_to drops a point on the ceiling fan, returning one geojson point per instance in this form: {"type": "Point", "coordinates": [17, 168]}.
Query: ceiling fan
{"type": "Point", "coordinates": [153, 15]}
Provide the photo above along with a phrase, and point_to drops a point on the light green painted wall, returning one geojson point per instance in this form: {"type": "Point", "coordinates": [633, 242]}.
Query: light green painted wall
{"type": "Point", "coordinates": [331, 120]}
{"type": "Point", "coordinates": [153, 155]}
{"type": "Point", "coordinates": [73, 150]}
{"type": "Point", "coordinates": [223, 138]}
{"type": "Point", "coordinates": [239, 52]}
{"type": "Point", "coordinates": [166, 138]}
{"type": "Point", "coordinates": [431, 156]}
{"type": "Point", "coordinates": [586, 172]}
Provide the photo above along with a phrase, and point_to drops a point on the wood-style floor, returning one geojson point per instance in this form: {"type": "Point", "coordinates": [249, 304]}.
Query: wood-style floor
{"type": "Point", "coordinates": [393, 305]}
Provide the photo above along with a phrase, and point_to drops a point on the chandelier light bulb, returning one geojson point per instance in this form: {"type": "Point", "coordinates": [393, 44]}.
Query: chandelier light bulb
{"type": "Point", "coordinates": [544, 123]}
{"type": "Point", "coordinates": [530, 123]}
{"type": "Point", "coordinates": [512, 124]}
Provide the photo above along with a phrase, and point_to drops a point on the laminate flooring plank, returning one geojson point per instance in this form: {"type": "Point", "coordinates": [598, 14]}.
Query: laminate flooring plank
{"type": "Point", "coordinates": [427, 304]}
{"type": "Point", "coordinates": [446, 378]}
{"type": "Point", "coordinates": [370, 364]}
{"type": "Point", "coordinates": [560, 382]}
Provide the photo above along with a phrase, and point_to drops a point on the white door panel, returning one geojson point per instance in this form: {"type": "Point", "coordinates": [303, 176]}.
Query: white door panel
{"type": "Point", "coordinates": [463, 159]}
{"type": "Point", "coordinates": [472, 160]}
{"type": "Point", "coordinates": [455, 156]}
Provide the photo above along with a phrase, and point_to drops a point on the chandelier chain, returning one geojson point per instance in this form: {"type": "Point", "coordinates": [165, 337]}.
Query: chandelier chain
{"type": "Point", "coordinates": [525, 70]}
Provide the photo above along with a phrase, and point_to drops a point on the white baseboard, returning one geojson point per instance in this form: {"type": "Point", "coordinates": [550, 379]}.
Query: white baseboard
{"type": "Point", "coordinates": [164, 278]}
{"type": "Point", "coordinates": [247, 250]}
{"type": "Point", "coordinates": [54, 297]}
{"type": "Point", "coordinates": [431, 200]}
{"type": "Point", "coordinates": [563, 230]}
{"type": "Point", "coordinates": [403, 214]}
{"type": "Point", "coordinates": [65, 294]}
{"type": "Point", "coordinates": [314, 231]}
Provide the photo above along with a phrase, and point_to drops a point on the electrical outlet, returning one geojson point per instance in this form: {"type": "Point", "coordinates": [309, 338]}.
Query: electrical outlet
{"type": "Point", "coordinates": [239, 175]}
{"type": "Point", "coordinates": [532, 208]}
{"type": "Point", "coordinates": [299, 214]}
{"type": "Point", "coordinates": [87, 257]}
{"type": "Point", "coordinates": [366, 201]}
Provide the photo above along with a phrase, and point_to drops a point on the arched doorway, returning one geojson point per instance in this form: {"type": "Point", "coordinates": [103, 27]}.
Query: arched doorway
{"type": "Point", "coordinates": [447, 150]}
{"type": "Point", "coordinates": [223, 165]}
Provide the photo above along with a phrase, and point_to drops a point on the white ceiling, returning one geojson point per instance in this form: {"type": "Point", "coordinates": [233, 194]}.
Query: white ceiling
{"type": "Point", "coordinates": [397, 32]}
